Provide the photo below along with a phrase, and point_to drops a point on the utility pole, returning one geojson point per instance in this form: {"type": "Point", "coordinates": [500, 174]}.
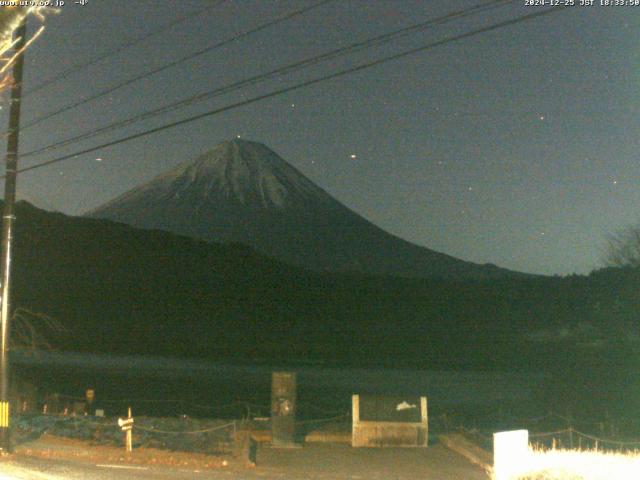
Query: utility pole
{"type": "Point", "coordinates": [7, 232]}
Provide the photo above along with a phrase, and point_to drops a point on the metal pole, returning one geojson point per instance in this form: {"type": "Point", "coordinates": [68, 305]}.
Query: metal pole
{"type": "Point", "coordinates": [7, 233]}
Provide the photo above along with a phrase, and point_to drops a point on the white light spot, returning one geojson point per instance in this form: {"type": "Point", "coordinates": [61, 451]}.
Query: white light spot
{"type": "Point", "coordinates": [98, 159]}
{"type": "Point", "coordinates": [353, 156]}
{"type": "Point", "coordinates": [542, 233]}
{"type": "Point", "coordinates": [541, 117]}
{"type": "Point", "coordinates": [470, 189]}
{"type": "Point", "coordinates": [405, 406]}
{"type": "Point", "coordinates": [238, 136]}
{"type": "Point", "coordinates": [293, 105]}
{"type": "Point", "coordinates": [615, 182]}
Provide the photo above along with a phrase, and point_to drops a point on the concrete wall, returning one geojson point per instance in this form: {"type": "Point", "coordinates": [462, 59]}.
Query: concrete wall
{"type": "Point", "coordinates": [389, 434]}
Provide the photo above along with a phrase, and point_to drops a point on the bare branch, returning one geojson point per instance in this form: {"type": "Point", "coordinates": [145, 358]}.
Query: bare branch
{"type": "Point", "coordinates": [35, 331]}
{"type": "Point", "coordinates": [623, 248]}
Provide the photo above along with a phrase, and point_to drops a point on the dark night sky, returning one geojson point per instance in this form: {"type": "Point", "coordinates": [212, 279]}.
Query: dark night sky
{"type": "Point", "coordinates": [516, 147]}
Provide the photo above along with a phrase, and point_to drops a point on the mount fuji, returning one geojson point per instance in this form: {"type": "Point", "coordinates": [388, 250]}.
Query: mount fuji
{"type": "Point", "coordinates": [243, 192]}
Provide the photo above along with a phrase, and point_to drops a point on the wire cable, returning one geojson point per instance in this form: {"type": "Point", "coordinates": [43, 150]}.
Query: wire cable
{"type": "Point", "coordinates": [352, 48]}
{"type": "Point", "coordinates": [169, 65]}
{"type": "Point", "coordinates": [299, 86]}
{"type": "Point", "coordinates": [186, 432]}
{"type": "Point", "coordinates": [71, 70]}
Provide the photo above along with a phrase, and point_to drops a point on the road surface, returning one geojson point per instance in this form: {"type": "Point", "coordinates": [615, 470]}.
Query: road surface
{"type": "Point", "coordinates": [313, 462]}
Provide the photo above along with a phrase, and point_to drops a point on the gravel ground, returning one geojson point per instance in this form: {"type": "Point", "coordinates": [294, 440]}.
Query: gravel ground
{"type": "Point", "coordinates": [69, 458]}
{"type": "Point", "coordinates": [91, 448]}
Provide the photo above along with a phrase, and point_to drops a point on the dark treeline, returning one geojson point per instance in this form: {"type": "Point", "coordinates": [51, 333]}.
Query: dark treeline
{"type": "Point", "coordinates": [119, 289]}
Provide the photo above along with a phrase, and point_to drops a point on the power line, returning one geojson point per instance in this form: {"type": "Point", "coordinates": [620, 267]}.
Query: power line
{"type": "Point", "coordinates": [355, 47]}
{"type": "Point", "coordinates": [125, 46]}
{"type": "Point", "coordinates": [300, 85]}
{"type": "Point", "coordinates": [167, 66]}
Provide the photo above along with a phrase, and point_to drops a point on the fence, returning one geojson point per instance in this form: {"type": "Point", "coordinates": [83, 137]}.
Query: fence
{"type": "Point", "coordinates": [213, 429]}
{"type": "Point", "coordinates": [571, 438]}
{"type": "Point", "coordinates": [182, 434]}
{"type": "Point", "coordinates": [548, 430]}
{"type": "Point", "coordinates": [553, 430]}
{"type": "Point", "coordinates": [306, 411]}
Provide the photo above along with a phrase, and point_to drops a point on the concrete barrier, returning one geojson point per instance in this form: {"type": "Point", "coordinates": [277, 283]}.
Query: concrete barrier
{"type": "Point", "coordinates": [510, 454]}
{"type": "Point", "coordinates": [458, 443]}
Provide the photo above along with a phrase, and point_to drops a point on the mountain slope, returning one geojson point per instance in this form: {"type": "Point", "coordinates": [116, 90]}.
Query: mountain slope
{"type": "Point", "coordinates": [244, 192]}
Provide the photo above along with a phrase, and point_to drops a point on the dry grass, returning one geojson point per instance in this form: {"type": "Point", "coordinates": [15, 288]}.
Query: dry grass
{"type": "Point", "coordinates": [580, 465]}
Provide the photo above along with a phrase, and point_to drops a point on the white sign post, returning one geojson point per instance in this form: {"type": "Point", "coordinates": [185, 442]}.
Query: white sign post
{"type": "Point", "coordinates": [126, 424]}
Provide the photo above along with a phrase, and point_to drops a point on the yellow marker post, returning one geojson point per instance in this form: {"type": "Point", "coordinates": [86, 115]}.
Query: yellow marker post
{"type": "Point", "coordinates": [4, 414]}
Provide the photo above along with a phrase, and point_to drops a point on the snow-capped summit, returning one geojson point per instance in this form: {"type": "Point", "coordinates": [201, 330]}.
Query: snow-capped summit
{"type": "Point", "coordinates": [245, 172]}
{"type": "Point", "coordinates": [242, 191]}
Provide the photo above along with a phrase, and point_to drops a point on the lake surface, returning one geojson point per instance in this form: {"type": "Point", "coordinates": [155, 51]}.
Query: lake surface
{"type": "Point", "coordinates": [164, 386]}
